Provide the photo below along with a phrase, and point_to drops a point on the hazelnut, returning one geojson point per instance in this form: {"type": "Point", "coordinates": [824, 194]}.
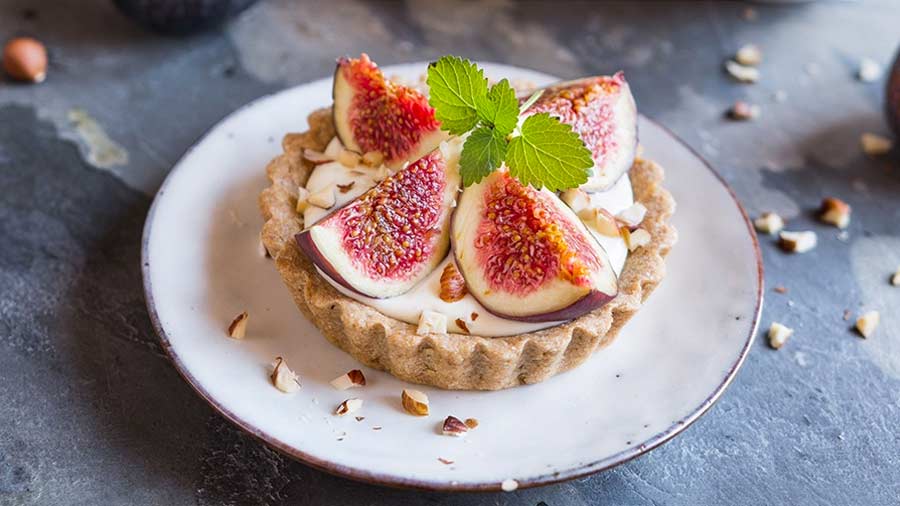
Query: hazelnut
{"type": "Point", "coordinates": [348, 406]}
{"type": "Point", "coordinates": [835, 212]}
{"type": "Point", "coordinates": [283, 377]}
{"type": "Point", "coordinates": [797, 242]}
{"type": "Point", "coordinates": [432, 322]}
{"type": "Point", "coordinates": [769, 223]}
{"type": "Point", "coordinates": [351, 379]}
{"type": "Point", "coordinates": [414, 402]}
{"type": "Point", "coordinates": [778, 335]}
{"type": "Point", "coordinates": [453, 426]}
{"type": "Point", "coordinates": [25, 59]}
{"type": "Point", "coordinates": [238, 327]}
{"type": "Point", "coordinates": [867, 323]}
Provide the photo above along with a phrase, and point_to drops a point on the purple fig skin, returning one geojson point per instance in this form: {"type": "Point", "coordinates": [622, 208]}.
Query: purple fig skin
{"type": "Point", "coordinates": [309, 248]}
{"type": "Point", "coordinates": [892, 96]}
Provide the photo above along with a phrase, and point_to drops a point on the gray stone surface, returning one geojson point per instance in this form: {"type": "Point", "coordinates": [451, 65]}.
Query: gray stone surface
{"type": "Point", "coordinates": [91, 412]}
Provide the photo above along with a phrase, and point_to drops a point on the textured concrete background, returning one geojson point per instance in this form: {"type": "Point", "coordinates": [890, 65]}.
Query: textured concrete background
{"type": "Point", "coordinates": [91, 412]}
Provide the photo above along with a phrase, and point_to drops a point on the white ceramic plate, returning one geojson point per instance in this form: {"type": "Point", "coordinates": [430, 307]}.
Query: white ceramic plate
{"type": "Point", "coordinates": [669, 364]}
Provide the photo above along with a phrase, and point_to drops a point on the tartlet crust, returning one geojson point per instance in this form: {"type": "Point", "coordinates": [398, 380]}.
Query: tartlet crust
{"type": "Point", "coordinates": [452, 361]}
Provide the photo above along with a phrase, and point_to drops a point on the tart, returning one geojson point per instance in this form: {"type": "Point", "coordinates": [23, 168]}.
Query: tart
{"type": "Point", "coordinates": [430, 300]}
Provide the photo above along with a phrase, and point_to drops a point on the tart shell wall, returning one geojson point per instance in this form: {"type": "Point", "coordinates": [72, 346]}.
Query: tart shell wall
{"type": "Point", "coordinates": [452, 361]}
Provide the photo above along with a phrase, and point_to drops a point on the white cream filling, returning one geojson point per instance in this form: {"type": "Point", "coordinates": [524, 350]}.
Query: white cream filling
{"type": "Point", "coordinates": [425, 296]}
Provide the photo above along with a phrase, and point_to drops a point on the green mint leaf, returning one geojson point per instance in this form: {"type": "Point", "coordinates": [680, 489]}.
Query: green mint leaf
{"type": "Point", "coordinates": [455, 86]}
{"type": "Point", "coordinates": [483, 152]}
{"type": "Point", "coordinates": [499, 108]}
{"type": "Point", "coordinates": [531, 100]}
{"type": "Point", "coordinates": [549, 154]}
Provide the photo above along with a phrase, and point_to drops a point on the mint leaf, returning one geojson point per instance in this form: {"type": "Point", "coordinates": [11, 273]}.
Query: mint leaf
{"type": "Point", "coordinates": [455, 86]}
{"type": "Point", "coordinates": [548, 153]}
{"type": "Point", "coordinates": [483, 152]}
{"type": "Point", "coordinates": [499, 108]}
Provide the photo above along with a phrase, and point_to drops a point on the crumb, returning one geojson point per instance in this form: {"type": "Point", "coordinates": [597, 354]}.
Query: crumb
{"type": "Point", "coordinates": [780, 289]}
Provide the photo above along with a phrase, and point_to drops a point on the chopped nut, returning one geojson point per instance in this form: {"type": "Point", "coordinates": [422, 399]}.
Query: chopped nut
{"type": "Point", "coordinates": [302, 199]}
{"type": "Point", "coordinates": [600, 220]}
{"type": "Point", "coordinates": [638, 239]}
{"type": "Point", "coordinates": [351, 379]}
{"type": "Point", "coordinates": [334, 148]}
{"type": "Point", "coordinates": [633, 215]}
{"type": "Point", "coordinates": [238, 327]}
{"type": "Point", "coordinates": [349, 158]}
{"type": "Point", "coordinates": [835, 212]}
{"type": "Point", "coordinates": [742, 73]}
{"type": "Point", "coordinates": [348, 406]}
{"type": "Point", "coordinates": [778, 335]}
{"type": "Point", "coordinates": [414, 402]}
{"type": "Point", "coordinates": [769, 223]}
{"type": "Point", "coordinates": [316, 157]}
{"type": "Point", "coordinates": [454, 427]}
{"type": "Point", "coordinates": [344, 188]}
{"type": "Point", "coordinates": [471, 423]}
{"type": "Point", "coordinates": [780, 289]}
{"type": "Point", "coordinates": [442, 460]}
{"type": "Point", "coordinates": [748, 54]}
{"type": "Point", "coordinates": [381, 173]}
{"type": "Point", "coordinates": [797, 242]}
{"type": "Point", "coordinates": [875, 145]}
{"type": "Point", "coordinates": [867, 323]}
{"type": "Point", "coordinates": [576, 199]}
{"type": "Point", "coordinates": [25, 59]}
{"type": "Point", "coordinates": [453, 286]}
{"type": "Point", "coordinates": [283, 377]}
{"type": "Point", "coordinates": [509, 485]}
{"type": "Point", "coordinates": [474, 316]}
{"type": "Point", "coordinates": [742, 111]}
{"type": "Point", "coordinates": [869, 70]}
{"type": "Point", "coordinates": [373, 158]}
{"type": "Point", "coordinates": [323, 198]}
{"type": "Point", "coordinates": [895, 279]}
{"type": "Point", "coordinates": [432, 322]}
{"type": "Point", "coordinates": [462, 325]}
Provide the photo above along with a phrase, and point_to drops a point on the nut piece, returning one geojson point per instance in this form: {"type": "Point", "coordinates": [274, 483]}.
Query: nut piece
{"type": "Point", "coordinates": [769, 223]}
{"type": "Point", "coordinates": [316, 157]}
{"type": "Point", "coordinates": [471, 423]}
{"type": "Point", "coordinates": [779, 334]}
{"type": "Point", "coordinates": [351, 379]}
{"type": "Point", "coordinates": [895, 279]}
{"type": "Point", "coordinates": [742, 111]}
{"type": "Point", "coordinates": [637, 239]}
{"type": "Point", "coordinates": [238, 327]}
{"type": "Point", "coordinates": [349, 158]}
{"type": "Point", "coordinates": [835, 212]}
{"type": "Point", "coordinates": [432, 322]}
{"type": "Point", "coordinates": [462, 325]}
{"type": "Point", "coordinates": [742, 73]}
{"type": "Point", "coordinates": [348, 406]}
{"type": "Point", "coordinates": [874, 144]}
{"type": "Point", "coordinates": [25, 59]}
{"type": "Point", "coordinates": [797, 242]}
{"type": "Point", "coordinates": [869, 70]}
{"type": "Point", "coordinates": [344, 188]}
{"type": "Point", "coordinates": [600, 220]}
{"type": "Point", "coordinates": [334, 148]}
{"type": "Point", "coordinates": [414, 402]}
{"type": "Point", "coordinates": [748, 54]}
{"type": "Point", "coordinates": [509, 485]}
{"type": "Point", "coordinates": [576, 199]}
{"type": "Point", "coordinates": [454, 427]}
{"type": "Point", "coordinates": [453, 286]}
{"type": "Point", "coordinates": [373, 158]}
{"type": "Point", "coordinates": [867, 323]}
{"type": "Point", "coordinates": [323, 198]}
{"type": "Point", "coordinates": [633, 215]}
{"type": "Point", "coordinates": [302, 199]}
{"type": "Point", "coordinates": [283, 377]}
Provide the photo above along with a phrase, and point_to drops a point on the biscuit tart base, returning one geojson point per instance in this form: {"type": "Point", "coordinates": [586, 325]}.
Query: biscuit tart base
{"type": "Point", "coordinates": [452, 361]}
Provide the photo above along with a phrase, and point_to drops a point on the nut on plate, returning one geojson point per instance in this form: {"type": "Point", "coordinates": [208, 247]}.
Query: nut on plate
{"type": "Point", "coordinates": [348, 406]}
{"type": "Point", "coordinates": [453, 426]}
{"type": "Point", "coordinates": [779, 334]}
{"type": "Point", "coordinates": [25, 59]}
{"type": "Point", "coordinates": [238, 327]}
{"type": "Point", "coordinates": [283, 377]}
{"type": "Point", "coordinates": [432, 322]}
{"type": "Point", "coordinates": [414, 402]}
{"type": "Point", "coordinates": [769, 223]}
{"type": "Point", "coordinates": [797, 242]}
{"type": "Point", "coordinates": [835, 212]}
{"type": "Point", "coordinates": [867, 323]}
{"type": "Point", "coordinates": [350, 379]}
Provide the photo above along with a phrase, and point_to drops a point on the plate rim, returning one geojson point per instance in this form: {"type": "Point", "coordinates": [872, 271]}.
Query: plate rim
{"type": "Point", "coordinates": [394, 481]}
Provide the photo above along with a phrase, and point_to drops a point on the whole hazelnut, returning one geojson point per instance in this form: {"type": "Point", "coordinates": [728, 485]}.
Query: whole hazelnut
{"type": "Point", "coordinates": [25, 59]}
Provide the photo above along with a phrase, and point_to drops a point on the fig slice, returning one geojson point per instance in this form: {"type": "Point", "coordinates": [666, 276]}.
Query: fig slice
{"type": "Point", "coordinates": [391, 237]}
{"type": "Point", "coordinates": [602, 111]}
{"type": "Point", "coordinates": [525, 255]}
{"type": "Point", "coordinates": [372, 113]}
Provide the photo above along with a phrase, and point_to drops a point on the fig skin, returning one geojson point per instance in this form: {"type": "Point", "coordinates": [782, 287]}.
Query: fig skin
{"type": "Point", "coordinates": [892, 96]}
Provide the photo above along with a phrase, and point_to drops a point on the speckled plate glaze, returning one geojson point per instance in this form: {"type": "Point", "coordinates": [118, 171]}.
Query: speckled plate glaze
{"type": "Point", "coordinates": [670, 363]}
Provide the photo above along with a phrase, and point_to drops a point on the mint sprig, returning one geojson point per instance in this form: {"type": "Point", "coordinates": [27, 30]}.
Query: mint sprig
{"type": "Point", "coordinates": [541, 152]}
